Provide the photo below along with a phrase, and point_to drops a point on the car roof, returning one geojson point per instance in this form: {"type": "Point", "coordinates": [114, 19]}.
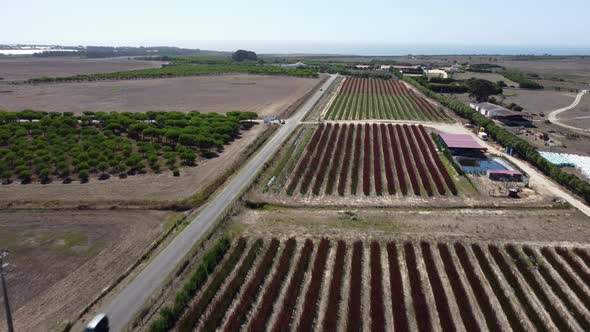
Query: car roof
{"type": "Point", "coordinates": [96, 320]}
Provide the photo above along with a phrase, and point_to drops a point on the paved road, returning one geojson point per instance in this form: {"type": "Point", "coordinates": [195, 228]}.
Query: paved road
{"type": "Point", "coordinates": [553, 115]}
{"type": "Point", "coordinates": [123, 308]}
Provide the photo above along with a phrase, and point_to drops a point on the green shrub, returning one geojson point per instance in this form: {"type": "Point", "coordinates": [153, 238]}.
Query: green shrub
{"type": "Point", "coordinates": [170, 315]}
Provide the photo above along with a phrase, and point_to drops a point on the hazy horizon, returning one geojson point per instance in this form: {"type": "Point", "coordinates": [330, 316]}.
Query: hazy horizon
{"type": "Point", "coordinates": [376, 27]}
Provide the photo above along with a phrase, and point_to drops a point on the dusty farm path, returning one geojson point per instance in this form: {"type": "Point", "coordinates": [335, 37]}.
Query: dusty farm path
{"type": "Point", "coordinates": [553, 115]}
{"type": "Point", "coordinates": [124, 306]}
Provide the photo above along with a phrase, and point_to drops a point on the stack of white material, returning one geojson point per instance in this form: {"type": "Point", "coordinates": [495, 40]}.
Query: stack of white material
{"type": "Point", "coordinates": [581, 162]}
{"type": "Point", "coordinates": [566, 159]}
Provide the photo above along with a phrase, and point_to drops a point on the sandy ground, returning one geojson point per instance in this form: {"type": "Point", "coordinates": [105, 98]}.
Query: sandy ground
{"type": "Point", "coordinates": [262, 94]}
{"type": "Point", "coordinates": [24, 68]}
{"type": "Point", "coordinates": [542, 225]}
{"type": "Point", "coordinates": [569, 68]}
{"type": "Point", "coordinates": [139, 189]}
{"type": "Point", "coordinates": [60, 260]}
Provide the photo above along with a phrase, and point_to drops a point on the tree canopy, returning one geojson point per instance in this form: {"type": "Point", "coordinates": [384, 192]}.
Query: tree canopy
{"type": "Point", "coordinates": [241, 55]}
{"type": "Point", "coordinates": [481, 89]}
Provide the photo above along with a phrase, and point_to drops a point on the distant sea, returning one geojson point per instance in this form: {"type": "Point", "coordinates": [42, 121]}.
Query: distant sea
{"type": "Point", "coordinates": [383, 49]}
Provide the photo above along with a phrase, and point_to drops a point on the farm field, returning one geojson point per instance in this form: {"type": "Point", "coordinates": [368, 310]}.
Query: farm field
{"type": "Point", "coordinates": [144, 189]}
{"type": "Point", "coordinates": [265, 95]}
{"type": "Point", "coordinates": [60, 260]}
{"type": "Point", "coordinates": [367, 98]}
{"type": "Point", "coordinates": [24, 68]}
{"type": "Point", "coordinates": [367, 159]}
{"type": "Point", "coordinates": [338, 284]}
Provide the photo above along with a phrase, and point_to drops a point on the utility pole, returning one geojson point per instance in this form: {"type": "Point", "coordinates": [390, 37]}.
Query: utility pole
{"type": "Point", "coordinates": [3, 254]}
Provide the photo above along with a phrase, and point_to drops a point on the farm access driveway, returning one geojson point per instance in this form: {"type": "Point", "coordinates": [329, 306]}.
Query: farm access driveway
{"type": "Point", "coordinates": [130, 299]}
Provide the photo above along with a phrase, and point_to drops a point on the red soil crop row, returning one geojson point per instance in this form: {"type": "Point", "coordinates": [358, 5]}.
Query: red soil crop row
{"type": "Point", "coordinates": [478, 290]}
{"type": "Point", "coordinates": [222, 305]}
{"type": "Point", "coordinates": [583, 255]}
{"type": "Point", "coordinates": [355, 320]}
{"type": "Point", "coordinates": [569, 279]}
{"type": "Point", "coordinates": [377, 160]}
{"type": "Point", "coordinates": [518, 290]}
{"type": "Point", "coordinates": [409, 166]}
{"type": "Point", "coordinates": [326, 157]}
{"type": "Point", "coordinates": [513, 319]}
{"type": "Point", "coordinates": [367, 161]}
{"type": "Point", "coordinates": [466, 309]}
{"type": "Point", "coordinates": [397, 157]}
{"type": "Point", "coordinates": [311, 147]}
{"type": "Point", "coordinates": [195, 311]}
{"type": "Point", "coordinates": [285, 316]}
{"type": "Point", "coordinates": [559, 292]}
{"type": "Point", "coordinates": [310, 304]}
{"type": "Point", "coordinates": [332, 174]}
{"type": "Point", "coordinates": [421, 307]}
{"type": "Point", "coordinates": [418, 161]}
{"type": "Point", "coordinates": [373, 85]}
{"type": "Point", "coordinates": [248, 298]}
{"type": "Point", "coordinates": [356, 160]}
{"type": "Point", "coordinates": [260, 319]}
{"type": "Point", "coordinates": [429, 165]}
{"type": "Point", "coordinates": [315, 160]}
{"type": "Point", "coordinates": [398, 305]}
{"type": "Point", "coordinates": [377, 309]}
{"type": "Point", "coordinates": [537, 288]}
{"type": "Point", "coordinates": [439, 164]}
{"type": "Point", "coordinates": [387, 160]}
{"type": "Point", "coordinates": [425, 106]}
{"type": "Point", "coordinates": [346, 162]}
{"type": "Point", "coordinates": [438, 290]}
{"type": "Point", "coordinates": [334, 296]}
{"type": "Point", "coordinates": [574, 264]}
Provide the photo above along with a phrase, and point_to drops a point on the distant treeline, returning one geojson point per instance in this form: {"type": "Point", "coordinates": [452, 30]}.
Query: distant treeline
{"type": "Point", "coordinates": [483, 67]}
{"type": "Point", "coordinates": [107, 51]}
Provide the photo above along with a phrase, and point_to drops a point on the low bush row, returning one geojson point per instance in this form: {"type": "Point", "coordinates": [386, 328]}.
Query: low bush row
{"type": "Point", "coordinates": [219, 309]}
{"type": "Point", "coordinates": [355, 321]}
{"type": "Point", "coordinates": [248, 297]}
{"type": "Point", "coordinates": [285, 316]}
{"type": "Point", "coordinates": [260, 319]}
{"type": "Point", "coordinates": [333, 173]}
{"type": "Point", "coordinates": [406, 156]}
{"type": "Point", "coordinates": [311, 301]}
{"type": "Point", "coordinates": [438, 290]}
{"type": "Point", "coordinates": [466, 309]}
{"type": "Point", "coordinates": [396, 282]}
{"type": "Point", "coordinates": [195, 311]}
{"type": "Point", "coordinates": [325, 162]}
{"type": "Point", "coordinates": [334, 295]}
{"type": "Point", "coordinates": [524, 268]}
{"type": "Point", "coordinates": [311, 147]}
{"type": "Point", "coordinates": [418, 161]}
{"type": "Point", "coordinates": [170, 315]}
{"type": "Point", "coordinates": [421, 307]}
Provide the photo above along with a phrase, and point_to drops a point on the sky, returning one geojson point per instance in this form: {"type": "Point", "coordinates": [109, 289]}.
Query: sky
{"type": "Point", "coordinates": [327, 26]}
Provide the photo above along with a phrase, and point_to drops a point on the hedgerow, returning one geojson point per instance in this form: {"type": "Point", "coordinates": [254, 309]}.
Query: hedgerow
{"type": "Point", "coordinates": [195, 311]}
{"type": "Point", "coordinates": [170, 315]}
{"type": "Point", "coordinates": [181, 69]}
